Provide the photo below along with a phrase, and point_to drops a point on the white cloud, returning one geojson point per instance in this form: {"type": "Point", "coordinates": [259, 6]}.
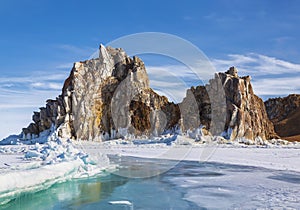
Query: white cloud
{"type": "Point", "coordinates": [13, 119]}
{"type": "Point", "coordinates": [279, 86]}
{"type": "Point", "coordinates": [65, 66]}
{"type": "Point", "coordinates": [173, 80]}
{"type": "Point", "coordinates": [35, 76]}
{"type": "Point", "coordinates": [20, 96]}
{"type": "Point", "coordinates": [256, 64]}
{"type": "Point", "coordinates": [223, 18]}
{"type": "Point", "coordinates": [84, 51]}
{"type": "Point", "coordinates": [271, 76]}
{"type": "Point", "coordinates": [54, 86]}
{"type": "Point", "coordinates": [37, 84]}
{"type": "Point", "coordinates": [47, 85]}
{"type": "Point", "coordinates": [32, 98]}
{"type": "Point", "coordinates": [171, 70]}
{"type": "Point", "coordinates": [16, 110]}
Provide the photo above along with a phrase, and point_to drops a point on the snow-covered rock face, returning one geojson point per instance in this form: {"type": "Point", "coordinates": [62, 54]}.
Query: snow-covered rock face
{"type": "Point", "coordinates": [102, 96]}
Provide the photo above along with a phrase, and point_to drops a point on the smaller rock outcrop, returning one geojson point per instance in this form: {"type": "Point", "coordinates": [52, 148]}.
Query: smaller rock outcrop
{"type": "Point", "coordinates": [51, 114]}
{"type": "Point", "coordinates": [233, 72]}
{"type": "Point", "coordinates": [229, 101]}
{"type": "Point", "coordinates": [285, 115]}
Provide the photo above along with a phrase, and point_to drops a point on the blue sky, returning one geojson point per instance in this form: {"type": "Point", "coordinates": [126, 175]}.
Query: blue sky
{"type": "Point", "coordinates": [39, 41]}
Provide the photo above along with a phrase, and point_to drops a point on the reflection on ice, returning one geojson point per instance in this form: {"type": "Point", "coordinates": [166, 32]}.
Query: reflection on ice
{"type": "Point", "coordinates": [188, 185]}
{"type": "Point", "coordinates": [73, 194]}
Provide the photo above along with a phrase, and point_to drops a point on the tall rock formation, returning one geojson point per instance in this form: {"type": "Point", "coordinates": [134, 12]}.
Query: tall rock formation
{"type": "Point", "coordinates": [109, 97]}
{"type": "Point", "coordinates": [285, 114]}
{"type": "Point", "coordinates": [104, 98]}
{"type": "Point", "coordinates": [229, 101]}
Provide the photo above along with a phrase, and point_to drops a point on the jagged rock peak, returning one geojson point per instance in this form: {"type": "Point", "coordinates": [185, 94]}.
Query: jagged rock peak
{"type": "Point", "coordinates": [233, 71]}
{"type": "Point", "coordinates": [233, 98]}
{"type": "Point", "coordinates": [105, 98]}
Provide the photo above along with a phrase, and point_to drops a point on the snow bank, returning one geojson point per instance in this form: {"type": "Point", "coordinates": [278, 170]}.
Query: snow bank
{"type": "Point", "coordinates": [43, 165]}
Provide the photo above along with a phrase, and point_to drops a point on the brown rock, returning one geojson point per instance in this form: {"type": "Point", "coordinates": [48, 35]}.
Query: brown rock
{"type": "Point", "coordinates": [233, 72]}
{"type": "Point", "coordinates": [285, 114]}
{"type": "Point", "coordinates": [240, 114]}
{"type": "Point", "coordinates": [109, 97]}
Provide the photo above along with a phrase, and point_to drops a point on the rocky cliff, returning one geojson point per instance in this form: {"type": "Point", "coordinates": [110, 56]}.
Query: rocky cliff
{"type": "Point", "coordinates": [109, 97]}
{"type": "Point", "coordinates": [229, 101]}
{"type": "Point", "coordinates": [104, 98]}
{"type": "Point", "coordinates": [285, 114]}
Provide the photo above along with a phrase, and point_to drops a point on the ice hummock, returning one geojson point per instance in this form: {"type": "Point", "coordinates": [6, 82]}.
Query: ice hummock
{"type": "Point", "coordinates": [45, 162]}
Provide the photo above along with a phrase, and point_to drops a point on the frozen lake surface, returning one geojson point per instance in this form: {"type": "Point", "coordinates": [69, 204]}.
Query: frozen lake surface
{"type": "Point", "coordinates": [187, 185]}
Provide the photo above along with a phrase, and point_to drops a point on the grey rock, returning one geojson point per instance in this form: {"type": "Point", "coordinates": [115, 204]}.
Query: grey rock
{"type": "Point", "coordinates": [102, 97]}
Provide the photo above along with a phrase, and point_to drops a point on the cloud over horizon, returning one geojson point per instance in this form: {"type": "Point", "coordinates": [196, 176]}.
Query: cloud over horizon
{"type": "Point", "coordinates": [21, 95]}
{"type": "Point", "coordinates": [270, 76]}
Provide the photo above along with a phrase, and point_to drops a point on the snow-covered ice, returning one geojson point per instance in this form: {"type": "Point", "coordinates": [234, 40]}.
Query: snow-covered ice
{"type": "Point", "coordinates": [27, 168]}
{"type": "Point", "coordinates": [39, 163]}
{"type": "Point", "coordinates": [272, 156]}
